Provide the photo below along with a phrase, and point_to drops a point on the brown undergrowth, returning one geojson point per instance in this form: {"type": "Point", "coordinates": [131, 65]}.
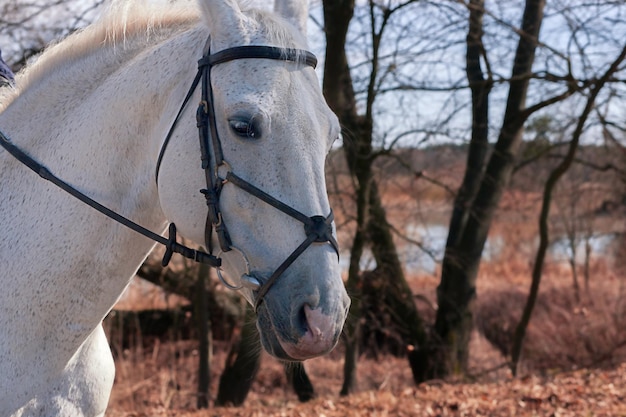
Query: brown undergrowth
{"type": "Point", "coordinates": [162, 381]}
{"type": "Point", "coordinates": [573, 357]}
{"type": "Point", "coordinates": [564, 336]}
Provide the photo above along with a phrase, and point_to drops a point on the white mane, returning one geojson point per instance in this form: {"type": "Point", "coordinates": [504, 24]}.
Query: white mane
{"type": "Point", "coordinates": [124, 20]}
{"type": "Point", "coordinates": [120, 21]}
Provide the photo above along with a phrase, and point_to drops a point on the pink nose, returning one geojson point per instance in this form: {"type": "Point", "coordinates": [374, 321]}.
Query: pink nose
{"type": "Point", "coordinates": [319, 337]}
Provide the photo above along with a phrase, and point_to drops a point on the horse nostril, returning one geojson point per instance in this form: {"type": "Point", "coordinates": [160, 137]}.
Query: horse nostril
{"type": "Point", "coordinates": [316, 325]}
{"type": "Point", "coordinates": [314, 331]}
{"type": "Point", "coordinates": [302, 321]}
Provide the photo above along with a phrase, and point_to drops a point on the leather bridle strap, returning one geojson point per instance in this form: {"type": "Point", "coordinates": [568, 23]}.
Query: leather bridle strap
{"type": "Point", "coordinates": [260, 52]}
{"type": "Point", "coordinates": [170, 243]}
{"type": "Point", "coordinates": [190, 92]}
{"type": "Point", "coordinates": [317, 228]}
{"type": "Point", "coordinates": [207, 126]}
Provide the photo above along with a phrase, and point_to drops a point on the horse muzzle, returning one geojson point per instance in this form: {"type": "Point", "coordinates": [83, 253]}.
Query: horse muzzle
{"type": "Point", "coordinates": [307, 327]}
{"type": "Point", "coordinates": [320, 336]}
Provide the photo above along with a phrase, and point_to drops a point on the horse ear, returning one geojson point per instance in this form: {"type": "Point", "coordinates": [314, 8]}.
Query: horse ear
{"type": "Point", "coordinates": [295, 11]}
{"type": "Point", "coordinates": [222, 16]}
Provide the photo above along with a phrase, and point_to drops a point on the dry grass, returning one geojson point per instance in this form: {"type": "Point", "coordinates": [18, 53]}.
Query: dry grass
{"type": "Point", "coordinates": [565, 332]}
{"type": "Point", "coordinates": [165, 378]}
{"type": "Point", "coordinates": [162, 381]}
{"type": "Point", "coordinates": [564, 335]}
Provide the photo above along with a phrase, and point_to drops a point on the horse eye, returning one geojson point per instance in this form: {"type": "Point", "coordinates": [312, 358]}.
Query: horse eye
{"type": "Point", "coordinates": [245, 128]}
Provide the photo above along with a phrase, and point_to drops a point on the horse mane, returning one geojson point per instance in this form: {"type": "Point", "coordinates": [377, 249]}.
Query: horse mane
{"type": "Point", "coordinates": [120, 21]}
{"type": "Point", "coordinates": [124, 20]}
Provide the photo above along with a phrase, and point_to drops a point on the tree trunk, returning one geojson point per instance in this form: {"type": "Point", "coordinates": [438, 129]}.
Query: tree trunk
{"type": "Point", "coordinates": [351, 339]}
{"type": "Point", "coordinates": [242, 364]}
{"type": "Point", "coordinates": [204, 336]}
{"type": "Point", "coordinates": [480, 193]}
{"type": "Point", "coordinates": [352, 328]}
{"type": "Point", "coordinates": [339, 94]}
{"type": "Point", "coordinates": [587, 266]}
{"type": "Point", "coordinates": [480, 87]}
{"type": "Point", "coordinates": [574, 267]}
{"type": "Point", "coordinates": [372, 226]}
{"type": "Point", "coordinates": [398, 297]}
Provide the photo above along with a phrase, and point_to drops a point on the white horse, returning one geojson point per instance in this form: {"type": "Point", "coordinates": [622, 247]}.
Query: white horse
{"type": "Point", "coordinates": [94, 110]}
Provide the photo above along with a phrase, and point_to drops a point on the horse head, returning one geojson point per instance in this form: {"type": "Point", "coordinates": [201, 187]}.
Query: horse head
{"type": "Point", "coordinates": [274, 130]}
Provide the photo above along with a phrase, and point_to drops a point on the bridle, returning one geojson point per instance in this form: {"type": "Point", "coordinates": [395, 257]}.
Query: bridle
{"type": "Point", "coordinates": [317, 228]}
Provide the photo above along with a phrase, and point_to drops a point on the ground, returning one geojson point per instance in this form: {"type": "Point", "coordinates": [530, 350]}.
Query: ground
{"type": "Point", "coordinates": [576, 393]}
{"type": "Point", "coordinates": [163, 385]}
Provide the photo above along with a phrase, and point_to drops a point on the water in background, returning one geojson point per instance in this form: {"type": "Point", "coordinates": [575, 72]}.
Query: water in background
{"type": "Point", "coordinates": [425, 258]}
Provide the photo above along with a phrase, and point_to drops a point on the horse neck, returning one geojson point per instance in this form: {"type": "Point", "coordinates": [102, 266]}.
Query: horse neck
{"type": "Point", "coordinates": [98, 121]}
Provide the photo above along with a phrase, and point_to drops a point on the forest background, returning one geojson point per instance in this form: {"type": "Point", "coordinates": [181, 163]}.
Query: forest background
{"type": "Point", "coordinates": [479, 192]}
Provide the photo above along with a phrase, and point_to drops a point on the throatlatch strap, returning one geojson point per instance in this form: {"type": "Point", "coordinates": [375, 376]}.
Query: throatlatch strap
{"type": "Point", "coordinates": [190, 92]}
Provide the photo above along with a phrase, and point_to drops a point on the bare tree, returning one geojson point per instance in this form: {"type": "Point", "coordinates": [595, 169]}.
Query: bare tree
{"type": "Point", "coordinates": [597, 86]}
{"type": "Point", "coordinates": [26, 27]}
{"type": "Point", "coordinates": [545, 71]}
{"type": "Point", "coordinates": [372, 227]}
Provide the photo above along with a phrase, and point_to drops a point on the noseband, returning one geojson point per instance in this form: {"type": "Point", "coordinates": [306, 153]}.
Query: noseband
{"type": "Point", "coordinates": [316, 228]}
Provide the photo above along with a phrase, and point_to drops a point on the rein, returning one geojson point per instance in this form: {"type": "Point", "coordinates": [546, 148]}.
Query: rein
{"type": "Point", "coordinates": [317, 228]}
{"type": "Point", "coordinates": [171, 246]}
